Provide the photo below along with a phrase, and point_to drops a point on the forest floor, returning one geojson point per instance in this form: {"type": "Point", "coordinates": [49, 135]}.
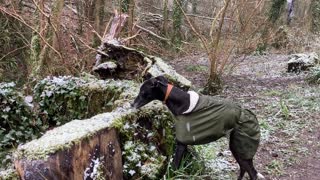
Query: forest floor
{"type": "Point", "coordinates": [288, 109]}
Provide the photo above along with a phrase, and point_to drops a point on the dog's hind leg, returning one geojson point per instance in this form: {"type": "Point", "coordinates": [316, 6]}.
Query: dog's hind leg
{"type": "Point", "coordinates": [248, 166]}
{"type": "Point", "coordinates": [236, 156]}
{"type": "Point", "coordinates": [179, 152]}
{"type": "Point", "coordinates": [254, 171]}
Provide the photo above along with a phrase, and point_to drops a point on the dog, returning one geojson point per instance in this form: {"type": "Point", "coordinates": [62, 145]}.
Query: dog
{"type": "Point", "coordinates": [203, 119]}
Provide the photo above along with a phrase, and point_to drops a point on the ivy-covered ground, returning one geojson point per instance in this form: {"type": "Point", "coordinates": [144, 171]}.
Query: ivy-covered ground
{"type": "Point", "coordinates": [288, 109]}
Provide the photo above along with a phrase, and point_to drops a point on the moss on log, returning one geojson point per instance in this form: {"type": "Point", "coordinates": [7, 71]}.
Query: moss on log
{"type": "Point", "coordinates": [62, 99]}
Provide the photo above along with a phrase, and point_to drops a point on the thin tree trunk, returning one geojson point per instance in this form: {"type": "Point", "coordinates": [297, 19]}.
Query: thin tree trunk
{"type": "Point", "coordinates": [56, 23]}
{"type": "Point", "coordinates": [213, 70]}
{"type": "Point", "coordinates": [43, 21]}
{"type": "Point", "coordinates": [194, 6]}
{"type": "Point", "coordinates": [130, 18]}
{"type": "Point", "coordinates": [98, 20]}
{"type": "Point", "coordinates": [214, 83]}
{"type": "Point", "coordinates": [165, 17]}
{"type": "Point", "coordinates": [177, 21]}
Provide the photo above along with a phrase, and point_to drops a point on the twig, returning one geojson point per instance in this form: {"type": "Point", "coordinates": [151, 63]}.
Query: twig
{"type": "Point", "coordinates": [94, 31]}
{"type": "Point", "coordinates": [129, 38]}
{"type": "Point", "coordinates": [13, 51]}
{"type": "Point", "coordinates": [41, 11]}
{"type": "Point", "coordinates": [152, 33]}
{"type": "Point", "coordinates": [106, 29]}
{"type": "Point", "coordinates": [91, 48]}
{"type": "Point", "coordinates": [202, 17]}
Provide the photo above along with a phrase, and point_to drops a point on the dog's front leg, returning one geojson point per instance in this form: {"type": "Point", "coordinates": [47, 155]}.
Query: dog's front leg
{"type": "Point", "coordinates": [180, 151]}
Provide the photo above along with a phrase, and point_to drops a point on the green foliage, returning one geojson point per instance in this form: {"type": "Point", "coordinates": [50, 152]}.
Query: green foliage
{"type": "Point", "coordinates": [261, 49]}
{"type": "Point", "coordinates": [192, 167]}
{"type": "Point", "coordinates": [142, 156]}
{"type": "Point", "coordinates": [124, 6]}
{"type": "Point", "coordinates": [275, 167]}
{"type": "Point", "coordinates": [284, 109]}
{"type": "Point", "coordinates": [314, 77]}
{"type": "Point", "coordinates": [17, 122]}
{"type": "Point", "coordinates": [197, 68]}
{"type": "Point", "coordinates": [315, 11]}
{"type": "Point", "coordinates": [276, 9]}
{"type": "Point", "coordinates": [62, 99]}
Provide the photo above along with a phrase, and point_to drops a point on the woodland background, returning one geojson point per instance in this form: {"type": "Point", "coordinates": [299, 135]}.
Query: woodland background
{"type": "Point", "coordinates": [42, 37]}
{"type": "Point", "coordinates": [235, 48]}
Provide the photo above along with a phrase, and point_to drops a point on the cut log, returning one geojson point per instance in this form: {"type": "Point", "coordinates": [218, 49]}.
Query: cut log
{"type": "Point", "coordinates": [77, 150]}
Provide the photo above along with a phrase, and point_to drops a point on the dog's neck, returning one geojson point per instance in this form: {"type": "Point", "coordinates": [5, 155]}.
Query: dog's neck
{"type": "Point", "coordinates": [178, 101]}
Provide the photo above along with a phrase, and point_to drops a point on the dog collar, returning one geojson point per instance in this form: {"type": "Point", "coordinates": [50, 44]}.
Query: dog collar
{"type": "Point", "coordinates": [169, 88]}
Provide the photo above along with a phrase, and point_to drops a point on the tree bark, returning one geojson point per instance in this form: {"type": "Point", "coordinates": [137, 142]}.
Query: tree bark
{"type": "Point", "coordinates": [130, 18]}
{"type": "Point", "coordinates": [56, 23]}
{"type": "Point", "coordinates": [99, 152]}
{"type": "Point", "coordinates": [98, 20]}
{"type": "Point", "coordinates": [165, 17]}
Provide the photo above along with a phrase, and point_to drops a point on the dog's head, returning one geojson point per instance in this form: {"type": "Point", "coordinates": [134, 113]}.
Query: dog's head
{"type": "Point", "coordinates": [150, 90]}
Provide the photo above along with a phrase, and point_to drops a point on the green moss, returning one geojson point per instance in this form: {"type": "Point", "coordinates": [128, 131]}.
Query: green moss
{"type": "Point", "coordinates": [276, 10]}
{"type": "Point", "coordinates": [62, 99]}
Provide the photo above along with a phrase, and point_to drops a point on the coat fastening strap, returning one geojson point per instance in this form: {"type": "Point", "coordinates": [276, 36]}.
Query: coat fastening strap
{"type": "Point", "coordinates": [169, 88]}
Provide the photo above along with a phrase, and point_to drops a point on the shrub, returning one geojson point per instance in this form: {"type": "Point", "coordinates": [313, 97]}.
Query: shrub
{"type": "Point", "coordinates": [315, 11]}
{"type": "Point", "coordinates": [314, 77]}
{"type": "Point", "coordinates": [62, 99]}
{"type": "Point", "coordinates": [17, 122]}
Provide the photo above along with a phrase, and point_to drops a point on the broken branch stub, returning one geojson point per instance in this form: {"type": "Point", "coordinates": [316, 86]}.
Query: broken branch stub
{"type": "Point", "coordinates": [129, 63]}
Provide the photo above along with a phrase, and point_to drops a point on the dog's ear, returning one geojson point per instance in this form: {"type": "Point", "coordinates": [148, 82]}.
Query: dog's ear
{"type": "Point", "coordinates": [154, 82]}
{"type": "Point", "coordinates": [147, 77]}
{"type": "Point", "coordinates": [162, 79]}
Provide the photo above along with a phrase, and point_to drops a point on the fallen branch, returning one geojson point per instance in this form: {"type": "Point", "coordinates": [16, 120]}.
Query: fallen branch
{"type": "Point", "coordinates": [129, 38]}
{"type": "Point", "coordinates": [152, 33]}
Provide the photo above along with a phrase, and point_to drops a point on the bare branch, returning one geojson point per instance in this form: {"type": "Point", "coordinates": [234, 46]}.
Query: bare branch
{"type": "Point", "coordinates": [13, 51]}
{"type": "Point", "coordinates": [152, 33]}
{"type": "Point", "coordinates": [19, 18]}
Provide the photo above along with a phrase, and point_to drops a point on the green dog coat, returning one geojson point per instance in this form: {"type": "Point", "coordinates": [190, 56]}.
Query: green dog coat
{"type": "Point", "coordinates": [212, 118]}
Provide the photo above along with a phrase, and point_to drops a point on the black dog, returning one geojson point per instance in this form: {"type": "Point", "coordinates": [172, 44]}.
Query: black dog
{"type": "Point", "coordinates": [203, 119]}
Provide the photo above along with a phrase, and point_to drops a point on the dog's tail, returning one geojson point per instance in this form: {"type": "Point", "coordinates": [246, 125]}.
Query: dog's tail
{"type": "Point", "coordinates": [260, 176]}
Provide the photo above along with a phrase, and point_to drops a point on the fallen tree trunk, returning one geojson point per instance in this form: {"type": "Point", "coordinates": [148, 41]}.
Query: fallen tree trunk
{"type": "Point", "coordinates": [99, 155]}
